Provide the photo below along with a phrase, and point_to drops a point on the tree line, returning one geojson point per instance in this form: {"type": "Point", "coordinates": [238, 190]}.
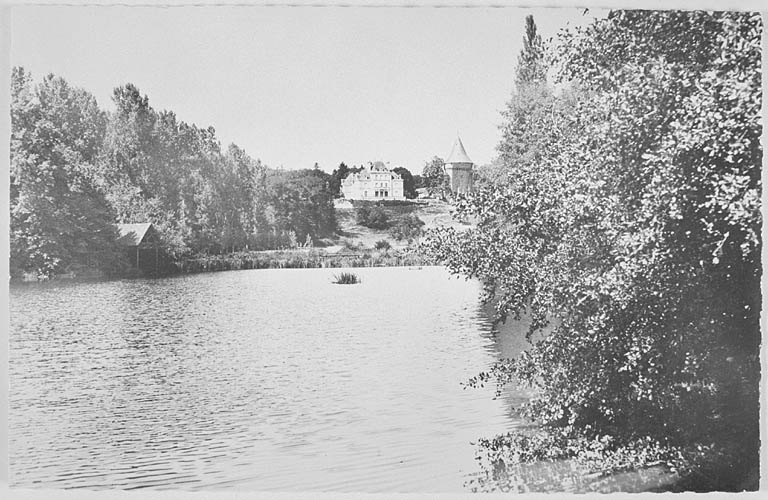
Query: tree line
{"type": "Point", "coordinates": [77, 171]}
{"type": "Point", "coordinates": [622, 218]}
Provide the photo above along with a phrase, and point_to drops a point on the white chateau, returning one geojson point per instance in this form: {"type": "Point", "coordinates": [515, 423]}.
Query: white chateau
{"type": "Point", "coordinates": [458, 167]}
{"type": "Point", "coordinates": [374, 182]}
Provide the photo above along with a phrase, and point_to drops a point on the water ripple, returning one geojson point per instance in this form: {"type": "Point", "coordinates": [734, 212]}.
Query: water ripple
{"type": "Point", "coordinates": [271, 379]}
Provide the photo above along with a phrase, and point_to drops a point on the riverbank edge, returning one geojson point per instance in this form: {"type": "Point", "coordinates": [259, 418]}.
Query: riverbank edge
{"type": "Point", "coordinates": [262, 259]}
{"type": "Point", "coordinates": [300, 259]}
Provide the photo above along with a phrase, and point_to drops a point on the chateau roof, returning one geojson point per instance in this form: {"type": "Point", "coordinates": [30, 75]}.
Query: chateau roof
{"type": "Point", "coordinates": [378, 167]}
{"type": "Point", "coordinates": [458, 154]}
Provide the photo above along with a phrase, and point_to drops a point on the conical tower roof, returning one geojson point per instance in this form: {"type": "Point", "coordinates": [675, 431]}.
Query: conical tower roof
{"type": "Point", "coordinates": [458, 154]}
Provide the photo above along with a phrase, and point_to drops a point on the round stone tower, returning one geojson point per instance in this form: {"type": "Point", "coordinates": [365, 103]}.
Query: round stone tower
{"type": "Point", "coordinates": [459, 169]}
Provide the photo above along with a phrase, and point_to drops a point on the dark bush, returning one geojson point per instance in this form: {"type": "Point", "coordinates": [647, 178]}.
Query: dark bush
{"type": "Point", "coordinates": [408, 228]}
{"type": "Point", "coordinates": [374, 218]}
{"type": "Point", "coordinates": [382, 245]}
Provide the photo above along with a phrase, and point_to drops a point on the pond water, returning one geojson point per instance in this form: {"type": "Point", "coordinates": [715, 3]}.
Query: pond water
{"type": "Point", "coordinates": [260, 380]}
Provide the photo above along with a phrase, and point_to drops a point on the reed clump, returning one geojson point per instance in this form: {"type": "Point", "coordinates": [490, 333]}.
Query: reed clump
{"type": "Point", "coordinates": [346, 279]}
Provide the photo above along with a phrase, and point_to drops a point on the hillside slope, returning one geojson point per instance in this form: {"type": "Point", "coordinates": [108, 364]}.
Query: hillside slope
{"type": "Point", "coordinates": [434, 214]}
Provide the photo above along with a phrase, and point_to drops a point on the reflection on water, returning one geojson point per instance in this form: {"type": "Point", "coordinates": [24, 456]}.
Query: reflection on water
{"type": "Point", "coordinates": [568, 476]}
{"type": "Point", "coordinates": [264, 379]}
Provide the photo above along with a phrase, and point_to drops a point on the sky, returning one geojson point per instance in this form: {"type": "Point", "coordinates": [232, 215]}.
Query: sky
{"type": "Point", "coordinates": [295, 86]}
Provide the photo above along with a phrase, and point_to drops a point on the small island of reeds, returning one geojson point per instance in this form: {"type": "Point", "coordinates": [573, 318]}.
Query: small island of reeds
{"type": "Point", "coordinates": [346, 279]}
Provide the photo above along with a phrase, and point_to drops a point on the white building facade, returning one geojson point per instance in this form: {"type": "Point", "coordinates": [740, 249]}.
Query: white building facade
{"type": "Point", "coordinates": [375, 182]}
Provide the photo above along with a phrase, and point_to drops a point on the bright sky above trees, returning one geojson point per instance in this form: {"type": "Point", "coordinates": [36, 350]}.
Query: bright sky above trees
{"type": "Point", "coordinates": [295, 86]}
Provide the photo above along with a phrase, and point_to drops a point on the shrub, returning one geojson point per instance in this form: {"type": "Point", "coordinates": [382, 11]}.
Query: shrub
{"type": "Point", "coordinates": [382, 245]}
{"type": "Point", "coordinates": [408, 228]}
{"type": "Point", "coordinates": [374, 218]}
{"type": "Point", "coordinates": [362, 213]}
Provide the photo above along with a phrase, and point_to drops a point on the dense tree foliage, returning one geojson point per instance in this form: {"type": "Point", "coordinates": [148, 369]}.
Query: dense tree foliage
{"type": "Point", "coordinates": [58, 214]}
{"type": "Point", "coordinates": [433, 175]}
{"type": "Point", "coordinates": [531, 67]}
{"type": "Point", "coordinates": [77, 171]}
{"type": "Point", "coordinates": [535, 116]}
{"type": "Point", "coordinates": [300, 201]}
{"type": "Point", "coordinates": [627, 227]}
